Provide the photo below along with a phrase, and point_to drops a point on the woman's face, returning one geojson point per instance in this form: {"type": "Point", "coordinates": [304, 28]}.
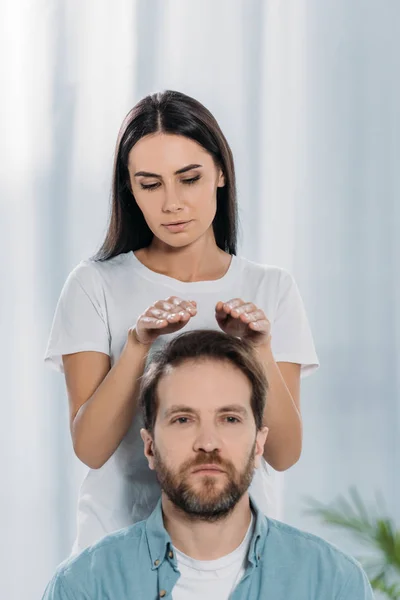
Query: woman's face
{"type": "Point", "coordinates": [174, 182]}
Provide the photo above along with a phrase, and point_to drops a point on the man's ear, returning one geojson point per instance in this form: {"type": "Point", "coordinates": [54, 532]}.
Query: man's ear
{"type": "Point", "coordinates": [148, 449]}
{"type": "Point", "coordinates": [261, 438]}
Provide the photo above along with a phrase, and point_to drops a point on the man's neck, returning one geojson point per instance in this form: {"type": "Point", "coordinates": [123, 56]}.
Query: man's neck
{"type": "Point", "coordinates": [202, 540]}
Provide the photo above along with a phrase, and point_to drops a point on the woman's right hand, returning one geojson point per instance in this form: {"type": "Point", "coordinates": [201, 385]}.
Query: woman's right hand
{"type": "Point", "coordinates": [164, 316]}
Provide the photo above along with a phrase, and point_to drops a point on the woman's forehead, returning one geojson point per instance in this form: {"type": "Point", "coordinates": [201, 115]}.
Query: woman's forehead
{"type": "Point", "coordinates": [167, 152]}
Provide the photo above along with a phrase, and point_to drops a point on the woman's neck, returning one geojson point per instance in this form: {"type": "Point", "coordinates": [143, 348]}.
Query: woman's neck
{"type": "Point", "coordinates": [200, 261]}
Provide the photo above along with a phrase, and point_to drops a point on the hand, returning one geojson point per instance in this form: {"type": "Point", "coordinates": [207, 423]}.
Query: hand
{"type": "Point", "coordinates": [243, 319]}
{"type": "Point", "coordinates": [164, 316]}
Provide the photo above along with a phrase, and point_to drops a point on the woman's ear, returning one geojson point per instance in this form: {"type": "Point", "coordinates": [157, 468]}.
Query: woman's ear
{"type": "Point", "coordinates": [148, 449]}
{"type": "Point", "coordinates": [221, 179]}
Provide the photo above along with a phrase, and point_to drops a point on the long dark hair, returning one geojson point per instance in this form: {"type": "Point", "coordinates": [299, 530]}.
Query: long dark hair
{"type": "Point", "coordinates": [174, 113]}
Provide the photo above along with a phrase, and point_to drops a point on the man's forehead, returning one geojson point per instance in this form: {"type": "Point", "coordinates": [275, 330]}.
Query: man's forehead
{"type": "Point", "coordinates": [204, 385]}
{"type": "Point", "coordinates": [220, 367]}
{"type": "Point", "coordinates": [212, 407]}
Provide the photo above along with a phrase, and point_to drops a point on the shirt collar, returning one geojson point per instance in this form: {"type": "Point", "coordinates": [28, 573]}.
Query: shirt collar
{"type": "Point", "coordinates": [160, 543]}
{"type": "Point", "coordinates": [259, 534]}
{"type": "Point", "coordinates": [158, 540]}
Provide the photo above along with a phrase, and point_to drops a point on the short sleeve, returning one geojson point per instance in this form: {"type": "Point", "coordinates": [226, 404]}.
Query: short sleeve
{"type": "Point", "coordinates": [80, 320]}
{"type": "Point", "coordinates": [292, 340]}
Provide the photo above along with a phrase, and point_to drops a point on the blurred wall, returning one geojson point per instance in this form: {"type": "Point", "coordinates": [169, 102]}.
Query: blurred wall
{"type": "Point", "coordinates": [307, 93]}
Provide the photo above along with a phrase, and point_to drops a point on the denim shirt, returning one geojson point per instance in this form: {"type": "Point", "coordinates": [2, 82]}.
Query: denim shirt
{"type": "Point", "coordinates": [138, 563]}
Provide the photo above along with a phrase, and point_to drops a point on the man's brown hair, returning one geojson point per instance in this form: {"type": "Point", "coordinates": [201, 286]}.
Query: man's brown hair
{"type": "Point", "coordinates": [203, 345]}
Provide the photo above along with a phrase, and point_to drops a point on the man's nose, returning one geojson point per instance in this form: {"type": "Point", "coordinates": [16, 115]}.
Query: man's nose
{"type": "Point", "coordinates": [207, 440]}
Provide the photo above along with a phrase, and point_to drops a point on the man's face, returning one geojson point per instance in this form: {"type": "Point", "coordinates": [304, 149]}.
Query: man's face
{"type": "Point", "coordinates": [205, 445]}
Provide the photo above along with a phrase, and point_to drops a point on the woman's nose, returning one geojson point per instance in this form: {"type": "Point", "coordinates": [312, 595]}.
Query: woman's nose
{"type": "Point", "coordinates": [172, 201]}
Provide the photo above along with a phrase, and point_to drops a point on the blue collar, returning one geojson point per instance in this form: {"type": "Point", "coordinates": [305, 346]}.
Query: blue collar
{"type": "Point", "coordinates": [160, 543]}
{"type": "Point", "coordinates": [158, 539]}
{"type": "Point", "coordinates": [260, 533]}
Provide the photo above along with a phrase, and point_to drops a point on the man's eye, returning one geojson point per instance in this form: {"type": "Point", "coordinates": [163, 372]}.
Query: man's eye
{"type": "Point", "coordinates": [232, 420]}
{"type": "Point", "coordinates": [181, 420]}
{"type": "Point", "coordinates": [149, 186]}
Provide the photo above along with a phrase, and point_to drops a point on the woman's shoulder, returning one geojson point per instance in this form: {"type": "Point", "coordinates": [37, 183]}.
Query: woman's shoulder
{"type": "Point", "coordinates": [273, 274]}
{"type": "Point", "coordinates": [91, 271]}
{"type": "Point", "coordinates": [276, 283]}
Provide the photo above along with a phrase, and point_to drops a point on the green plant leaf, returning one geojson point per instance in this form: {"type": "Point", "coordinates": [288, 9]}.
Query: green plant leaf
{"type": "Point", "coordinates": [378, 534]}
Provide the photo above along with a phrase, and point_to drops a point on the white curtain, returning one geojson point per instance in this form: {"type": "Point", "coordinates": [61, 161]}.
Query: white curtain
{"type": "Point", "coordinates": [307, 93]}
{"type": "Point", "coordinates": [332, 213]}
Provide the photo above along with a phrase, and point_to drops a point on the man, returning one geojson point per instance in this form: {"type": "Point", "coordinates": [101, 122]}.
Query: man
{"type": "Point", "coordinates": [203, 401]}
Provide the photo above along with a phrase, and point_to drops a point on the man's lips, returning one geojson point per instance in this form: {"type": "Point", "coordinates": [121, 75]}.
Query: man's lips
{"type": "Point", "coordinates": [211, 467]}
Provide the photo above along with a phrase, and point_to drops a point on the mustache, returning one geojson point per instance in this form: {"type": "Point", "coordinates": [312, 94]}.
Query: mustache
{"type": "Point", "coordinates": [212, 458]}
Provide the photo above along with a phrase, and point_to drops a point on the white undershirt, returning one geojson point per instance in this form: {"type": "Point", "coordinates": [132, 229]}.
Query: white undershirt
{"type": "Point", "coordinates": [211, 579]}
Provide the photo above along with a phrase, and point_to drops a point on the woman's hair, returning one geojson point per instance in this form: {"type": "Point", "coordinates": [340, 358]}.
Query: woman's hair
{"type": "Point", "coordinates": [172, 113]}
{"type": "Point", "coordinates": [199, 345]}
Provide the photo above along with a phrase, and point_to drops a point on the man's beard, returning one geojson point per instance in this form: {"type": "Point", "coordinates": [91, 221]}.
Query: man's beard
{"type": "Point", "coordinates": [205, 504]}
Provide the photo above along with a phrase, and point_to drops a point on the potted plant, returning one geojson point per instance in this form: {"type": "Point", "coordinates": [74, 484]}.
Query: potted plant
{"type": "Point", "coordinates": [378, 534]}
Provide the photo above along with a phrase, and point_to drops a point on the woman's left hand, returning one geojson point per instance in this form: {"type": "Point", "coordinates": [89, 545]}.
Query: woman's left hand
{"type": "Point", "coordinates": [243, 319]}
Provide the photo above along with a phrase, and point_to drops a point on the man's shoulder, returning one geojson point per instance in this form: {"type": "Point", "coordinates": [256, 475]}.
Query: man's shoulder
{"type": "Point", "coordinates": [297, 565]}
{"type": "Point", "coordinates": [93, 563]}
{"type": "Point", "coordinates": [309, 548]}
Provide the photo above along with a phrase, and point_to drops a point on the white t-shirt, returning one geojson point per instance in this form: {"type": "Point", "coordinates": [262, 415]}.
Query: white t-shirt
{"type": "Point", "coordinates": [99, 302]}
{"type": "Point", "coordinates": [211, 579]}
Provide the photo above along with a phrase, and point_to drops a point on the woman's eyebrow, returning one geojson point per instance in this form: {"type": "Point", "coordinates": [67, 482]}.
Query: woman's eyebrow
{"type": "Point", "coordinates": [187, 168]}
{"type": "Point", "coordinates": [178, 172]}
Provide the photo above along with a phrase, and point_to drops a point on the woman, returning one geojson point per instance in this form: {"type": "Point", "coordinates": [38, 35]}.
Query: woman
{"type": "Point", "coordinates": [168, 262]}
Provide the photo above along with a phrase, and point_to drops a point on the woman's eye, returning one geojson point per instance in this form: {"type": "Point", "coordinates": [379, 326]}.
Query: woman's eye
{"type": "Point", "coordinates": [191, 180]}
{"type": "Point", "coordinates": [149, 186]}
{"type": "Point", "coordinates": [153, 186]}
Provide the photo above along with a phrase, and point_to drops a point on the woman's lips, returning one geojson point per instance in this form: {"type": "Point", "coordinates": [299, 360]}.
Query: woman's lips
{"type": "Point", "coordinates": [176, 227]}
